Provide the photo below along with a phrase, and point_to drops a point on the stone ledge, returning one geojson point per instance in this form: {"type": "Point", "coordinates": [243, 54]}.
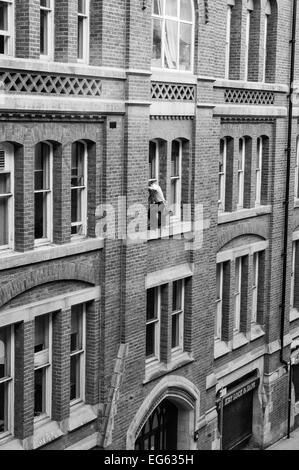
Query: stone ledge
{"type": "Point", "coordinates": [157, 369]}
{"type": "Point", "coordinates": [226, 217]}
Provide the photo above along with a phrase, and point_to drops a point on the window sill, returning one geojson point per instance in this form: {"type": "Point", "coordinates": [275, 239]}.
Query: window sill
{"type": "Point", "coordinates": [256, 332]}
{"type": "Point", "coordinates": [226, 217]}
{"type": "Point", "coordinates": [227, 83]}
{"type": "Point", "coordinates": [10, 443]}
{"type": "Point", "coordinates": [45, 431]}
{"type": "Point", "coordinates": [175, 228]}
{"type": "Point", "coordinates": [158, 369]}
{"type": "Point", "coordinates": [81, 414]}
{"type": "Point", "coordinates": [12, 259]}
{"type": "Point", "coordinates": [175, 76]}
{"type": "Point", "coordinates": [239, 340]}
{"type": "Point", "coordinates": [221, 348]}
{"type": "Point", "coordinates": [294, 314]}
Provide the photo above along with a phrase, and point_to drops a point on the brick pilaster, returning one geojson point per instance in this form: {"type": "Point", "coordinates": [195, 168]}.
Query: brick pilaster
{"type": "Point", "coordinates": [27, 29]}
{"type": "Point", "coordinates": [66, 28]}
{"type": "Point", "coordinates": [92, 353]}
{"type": "Point", "coordinates": [62, 194]}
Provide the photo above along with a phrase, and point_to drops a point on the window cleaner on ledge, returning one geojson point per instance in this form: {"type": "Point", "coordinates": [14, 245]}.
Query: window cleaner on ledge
{"type": "Point", "coordinates": [157, 205]}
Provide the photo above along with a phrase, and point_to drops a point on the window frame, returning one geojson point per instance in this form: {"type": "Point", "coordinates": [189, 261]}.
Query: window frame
{"type": "Point", "coordinates": [258, 171]}
{"type": "Point", "coordinates": [238, 294]}
{"type": "Point", "coordinates": [229, 13]}
{"type": "Point", "coordinates": [157, 162]}
{"type": "Point", "coordinates": [268, 13]}
{"type": "Point", "coordinates": [43, 360]}
{"type": "Point", "coordinates": [81, 353]}
{"type": "Point", "coordinates": [180, 313]}
{"type": "Point", "coordinates": [9, 382]}
{"type": "Point", "coordinates": [83, 194]}
{"type": "Point", "coordinates": [250, 8]}
{"type": "Point", "coordinates": [157, 322]}
{"type": "Point", "coordinates": [50, 30]}
{"type": "Point", "coordinates": [293, 272]}
{"type": "Point", "coordinates": [9, 197]}
{"type": "Point", "coordinates": [163, 18]}
{"type": "Point", "coordinates": [10, 32]}
{"type": "Point", "coordinates": [49, 198]}
{"type": "Point", "coordinates": [255, 286]}
{"type": "Point", "coordinates": [241, 172]}
{"type": "Point", "coordinates": [219, 302]}
{"type": "Point", "coordinates": [222, 176]}
{"type": "Point", "coordinates": [296, 187]}
{"type": "Point", "coordinates": [86, 32]}
{"type": "Point", "coordinates": [177, 212]}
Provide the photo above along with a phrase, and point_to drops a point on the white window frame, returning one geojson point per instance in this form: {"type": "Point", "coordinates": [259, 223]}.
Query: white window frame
{"type": "Point", "coordinates": [258, 171]}
{"type": "Point", "coordinates": [250, 8]}
{"type": "Point", "coordinates": [297, 171]}
{"type": "Point", "coordinates": [50, 31]}
{"type": "Point", "coordinates": [228, 38]}
{"type": "Point", "coordinates": [163, 18]}
{"type": "Point", "coordinates": [238, 294]}
{"type": "Point", "coordinates": [43, 360]}
{"type": "Point", "coordinates": [293, 270]}
{"type": "Point", "coordinates": [82, 355]}
{"type": "Point", "coordinates": [49, 200]}
{"type": "Point", "coordinates": [9, 34]}
{"type": "Point", "coordinates": [86, 28]}
{"type": "Point", "coordinates": [157, 158]}
{"type": "Point", "coordinates": [222, 176]}
{"type": "Point", "coordinates": [241, 172]}
{"type": "Point", "coordinates": [176, 208]}
{"type": "Point", "coordinates": [157, 322]}
{"type": "Point", "coordinates": [83, 195]}
{"type": "Point", "coordinates": [255, 286]}
{"type": "Point", "coordinates": [181, 315]}
{"type": "Point", "coordinates": [9, 169]}
{"type": "Point", "coordinates": [219, 301]}
{"type": "Point", "coordinates": [9, 380]}
{"type": "Point", "coordinates": [266, 25]}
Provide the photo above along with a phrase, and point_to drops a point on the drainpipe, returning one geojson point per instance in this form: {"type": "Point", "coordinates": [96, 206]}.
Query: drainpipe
{"type": "Point", "coordinates": [287, 202]}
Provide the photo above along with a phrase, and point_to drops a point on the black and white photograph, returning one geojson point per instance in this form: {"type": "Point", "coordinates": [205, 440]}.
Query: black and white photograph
{"type": "Point", "coordinates": [149, 228]}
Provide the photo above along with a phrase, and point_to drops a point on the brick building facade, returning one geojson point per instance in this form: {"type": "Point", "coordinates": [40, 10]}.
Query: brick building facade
{"type": "Point", "coordinates": [146, 339]}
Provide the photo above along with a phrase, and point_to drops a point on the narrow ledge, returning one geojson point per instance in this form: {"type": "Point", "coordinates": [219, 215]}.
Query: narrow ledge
{"type": "Point", "coordinates": [227, 217]}
{"type": "Point", "coordinates": [159, 369]}
{"type": "Point", "coordinates": [221, 349]}
{"type": "Point", "coordinates": [239, 341]}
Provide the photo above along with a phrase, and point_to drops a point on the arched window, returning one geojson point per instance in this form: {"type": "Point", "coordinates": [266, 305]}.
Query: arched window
{"type": "Point", "coordinates": [270, 41]}
{"type": "Point", "coordinates": [6, 196]}
{"type": "Point", "coordinates": [250, 8]}
{"type": "Point", "coordinates": [262, 171]}
{"type": "Point", "coordinates": [267, 14]}
{"type": "Point", "coordinates": [43, 182]}
{"type": "Point", "coordinates": [226, 158]}
{"type": "Point", "coordinates": [173, 34]}
{"type": "Point", "coordinates": [244, 173]}
{"type": "Point", "coordinates": [79, 188]}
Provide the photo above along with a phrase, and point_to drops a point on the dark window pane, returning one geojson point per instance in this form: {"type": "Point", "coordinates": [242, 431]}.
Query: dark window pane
{"type": "Point", "coordinates": [39, 392]}
{"type": "Point", "coordinates": [40, 215]}
{"type": "Point", "coordinates": [3, 407]}
{"type": "Point", "coordinates": [150, 340]}
{"type": "Point", "coordinates": [296, 381]}
{"type": "Point", "coordinates": [80, 37]}
{"type": "Point", "coordinates": [2, 45]}
{"type": "Point", "coordinates": [81, 6]}
{"type": "Point", "coordinates": [3, 16]}
{"type": "Point", "coordinates": [175, 331]}
{"type": "Point", "coordinates": [75, 378]}
{"type": "Point", "coordinates": [4, 184]}
{"type": "Point", "coordinates": [4, 221]}
{"type": "Point", "coordinates": [151, 304]}
{"type": "Point", "coordinates": [44, 32]}
{"type": "Point", "coordinates": [41, 333]}
{"type": "Point", "coordinates": [4, 353]}
{"type": "Point", "coordinates": [177, 296]}
{"type": "Point", "coordinates": [76, 328]}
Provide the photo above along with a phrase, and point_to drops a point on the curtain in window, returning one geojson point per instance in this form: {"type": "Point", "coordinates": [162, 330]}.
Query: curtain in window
{"type": "Point", "coordinates": [171, 41]}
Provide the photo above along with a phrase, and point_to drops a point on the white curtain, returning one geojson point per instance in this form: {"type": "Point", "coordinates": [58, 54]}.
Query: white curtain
{"type": "Point", "coordinates": [171, 43]}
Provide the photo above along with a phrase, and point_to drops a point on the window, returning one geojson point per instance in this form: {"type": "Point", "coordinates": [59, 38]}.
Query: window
{"type": "Point", "coordinates": [297, 171]}
{"type": "Point", "coordinates": [153, 162]}
{"type": "Point", "coordinates": [6, 196]}
{"type": "Point", "coordinates": [175, 179]}
{"type": "Point", "coordinates": [173, 31]}
{"type": "Point", "coordinates": [6, 380]}
{"type": "Point", "coordinates": [6, 27]}
{"type": "Point", "coordinates": [46, 29]}
{"type": "Point", "coordinates": [250, 8]}
{"type": "Point", "coordinates": [258, 172]}
{"type": "Point", "coordinates": [43, 192]}
{"type": "Point", "coordinates": [228, 39]}
{"type": "Point", "coordinates": [83, 30]}
{"type": "Point", "coordinates": [78, 318]}
{"type": "Point", "coordinates": [177, 316]}
{"type": "Point", "coordinates": [222, 174]}
{"type": "Point", "coordinates": [241, 171]}
{"type": "Point", "coordinates": [293, 273]}
{"type": "Point", "coordinates": [79, 189]}
{"type": "Point", "coordinates": [42, 366]}
{"type": "Point", "coordinates": [219, 301]}
{"type": "Point", "coordinates": [238, 294]}
{"type": "Point", "coordinates": [153, 310]}
{"type": "Point", "coordinates": [255, 287]}
{"type": "Point", "coordinates": [266, 30]}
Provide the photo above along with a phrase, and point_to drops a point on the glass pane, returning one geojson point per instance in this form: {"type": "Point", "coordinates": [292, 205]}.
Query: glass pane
{"type": "Point", "coordinates": [39, 392]}
{"type": "Point", "coordinates": [40, 216]}
{"type": "Point", "coordinates": [177, 296]}
{"type": "Point", "coordinates": [151, 306]}
{"type": "Point", "coordinates": [2, 45]}
{"type": "Point", "coordinates": [4, 184]}
{"type": "Point", "coordinates": [175, 159]}
{"type": "Point", "coordinates": [152, 161]}
{"type": "Point", "coordinates": [4, 352]}
{"type": "Point", "coordinates": [175, 331]}
{"type": "Point", "coordinates": [41, 167]}
{"type": "Point", "coordinates": [75, 378]}
{"type": "Point", "coordinates": [3, 407]}
{"type": "Point", "coordinates": [171, 43]}
{"type": "Point", "coordinates": [76, 205]}
{"type": "Point", "coordinates": [82, 6]}
{"type": "Point", "coordinates": [171, 7]}
{"type": "Point", "coordinates": [186, 10]}
{"type": "Point", "coordinates": [173, 192]}
{"type": "Point", "coordinates": [3, 16]}
{"type": "Point", "coordinates": [76, 328]}
{"type": "Point", "coordinates": [158, 7]}
{"type": "Point", "coordinates": [80, 37]}
{"type": "Point", "coordinates": [157, 43]}
{"type": "Point", "coordinates": [45, 3]}
{"type": "Point", "coordinates": [44, 32]}
{"type": "Point", "coordinates": [4, 221]}
{"type": "Point", "coordinates": [218, 281]}
{"type": "Point", "coordinates": [41, 333]}
{"type": "Point", "coordinates": [78, 155]}
{"type": "Point", "coordinates": [150, 339]}
{"type": "Point", "coordinates": [185, 46]}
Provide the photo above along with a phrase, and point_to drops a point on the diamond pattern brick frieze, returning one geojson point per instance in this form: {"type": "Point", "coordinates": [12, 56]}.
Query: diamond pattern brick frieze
{"type": "Point", "coordinates": [251, 97]}
{"type": "Point", "coordinates": [172, 92]}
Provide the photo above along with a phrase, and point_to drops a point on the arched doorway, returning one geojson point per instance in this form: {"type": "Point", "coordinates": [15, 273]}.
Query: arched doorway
{"type": "Point", "coordinates": [160, 432]}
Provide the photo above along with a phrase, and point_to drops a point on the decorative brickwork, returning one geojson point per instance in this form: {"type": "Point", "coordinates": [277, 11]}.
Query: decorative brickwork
{"type": "Point", "coordinates": [252, 97]}
{"type": "Point", "coordinates": [172, 92]}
